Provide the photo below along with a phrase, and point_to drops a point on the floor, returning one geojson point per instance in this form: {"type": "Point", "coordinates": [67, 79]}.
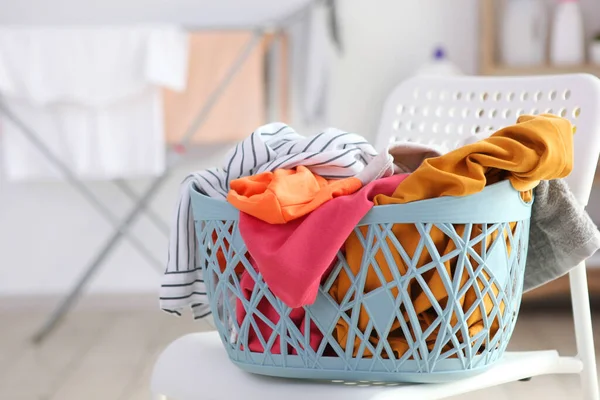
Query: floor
{"type": "Point", "coordinates": [108, 355]}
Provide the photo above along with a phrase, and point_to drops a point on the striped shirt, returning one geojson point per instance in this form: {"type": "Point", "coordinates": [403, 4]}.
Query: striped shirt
{"type": "Point", "coordinates": [332, 154]}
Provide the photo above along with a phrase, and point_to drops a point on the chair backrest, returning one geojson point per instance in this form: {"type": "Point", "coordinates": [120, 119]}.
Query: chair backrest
{"type": "Point", "coordinates": [444, 110]}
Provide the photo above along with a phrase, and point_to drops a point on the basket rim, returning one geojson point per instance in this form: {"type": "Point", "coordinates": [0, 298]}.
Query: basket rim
{"type": "Point", "coordinates": [499, 202]}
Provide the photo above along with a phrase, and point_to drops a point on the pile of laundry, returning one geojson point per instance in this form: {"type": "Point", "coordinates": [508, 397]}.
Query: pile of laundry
{"type": "Point", "coordinates": [300, 199]}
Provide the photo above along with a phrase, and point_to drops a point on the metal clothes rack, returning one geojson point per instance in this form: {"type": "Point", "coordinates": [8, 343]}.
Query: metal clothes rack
{"type": "Point", "coordinates": [141, 202]}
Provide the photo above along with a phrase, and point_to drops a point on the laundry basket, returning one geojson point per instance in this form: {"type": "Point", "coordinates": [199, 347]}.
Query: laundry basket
{"type": "Point", "coordinates": [489, 231]}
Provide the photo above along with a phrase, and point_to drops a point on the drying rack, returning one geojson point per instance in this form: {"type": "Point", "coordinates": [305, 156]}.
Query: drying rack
{"type": "Point", "coordinates": [225, 20]}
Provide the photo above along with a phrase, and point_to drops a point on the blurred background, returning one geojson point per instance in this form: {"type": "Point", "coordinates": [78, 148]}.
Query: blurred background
{"type": "Point", "coordinates": [311, 64]}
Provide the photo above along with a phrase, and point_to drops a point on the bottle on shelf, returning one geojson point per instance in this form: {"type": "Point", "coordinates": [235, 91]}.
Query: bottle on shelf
{"type": "Point", "coordinates": [439, 65]}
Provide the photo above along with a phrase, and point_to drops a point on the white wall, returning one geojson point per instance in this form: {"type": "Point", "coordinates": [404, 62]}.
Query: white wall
{"type": "Point", "coordinates": [385, 42]}
{"type": "Point", "coordinates": [48, 233]}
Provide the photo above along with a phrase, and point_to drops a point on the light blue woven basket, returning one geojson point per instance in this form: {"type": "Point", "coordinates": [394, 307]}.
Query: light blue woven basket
{"type": "Point", "coordinates": [491, 211]}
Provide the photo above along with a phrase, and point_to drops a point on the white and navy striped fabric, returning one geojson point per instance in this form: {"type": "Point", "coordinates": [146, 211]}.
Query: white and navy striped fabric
{"type": "Point", "coordinates": [332, 154]}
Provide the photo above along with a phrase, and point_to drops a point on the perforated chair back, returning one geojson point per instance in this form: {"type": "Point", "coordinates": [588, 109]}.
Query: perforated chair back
{"type": "Point", "coordinates": [444, 110]}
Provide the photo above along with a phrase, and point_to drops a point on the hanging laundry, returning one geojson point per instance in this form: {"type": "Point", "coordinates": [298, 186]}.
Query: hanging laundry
{"type": "Point", "coordinates": [312, 52]}
{"type": "Point", "coordinates": [536, 148]}
{"type": "Point", "coordinates": [331, 154]}
{"type": "Point", "coordinates": [293, 257]}
{"type": "Point", "coordinates": [245, 93]}
{"type": "Point", "coordinates": [318, 64]}
{"type": "Point", "coordinates": [93, 96]}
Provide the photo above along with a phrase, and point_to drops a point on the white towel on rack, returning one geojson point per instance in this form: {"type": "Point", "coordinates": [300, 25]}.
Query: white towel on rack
{"type": "Point", "coordinates": [311, 56]}
{"type": "Point", "coordinates": [318, 66]}
{"type": "Point", "coordinates": [332, 154]}
{"type": "Point", "coordinates": [92, 95]}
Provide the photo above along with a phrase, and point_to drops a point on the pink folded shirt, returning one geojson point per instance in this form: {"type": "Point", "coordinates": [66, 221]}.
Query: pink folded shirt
{"type": "Point", "coordinates": [293, 257]}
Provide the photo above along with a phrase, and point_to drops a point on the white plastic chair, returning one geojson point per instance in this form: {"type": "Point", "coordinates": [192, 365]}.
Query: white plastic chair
{"type": "Point", "coordinates": [428, 110]}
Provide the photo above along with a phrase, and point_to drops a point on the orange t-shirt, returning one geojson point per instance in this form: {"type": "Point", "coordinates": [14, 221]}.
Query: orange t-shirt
{"type": "Point", "coordinates": [286, 194]}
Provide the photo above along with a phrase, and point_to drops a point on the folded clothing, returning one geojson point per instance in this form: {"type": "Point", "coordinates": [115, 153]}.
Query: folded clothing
{"type": "Point", "coordinates": [293, 257]}
{"type": "Point", "coordinates": [534, 149]}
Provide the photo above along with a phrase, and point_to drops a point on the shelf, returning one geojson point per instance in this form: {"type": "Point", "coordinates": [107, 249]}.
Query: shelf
{"type": "Point", "coordinates": [541, 70]}
{"type": "Point", "coordinates": [488, 52]}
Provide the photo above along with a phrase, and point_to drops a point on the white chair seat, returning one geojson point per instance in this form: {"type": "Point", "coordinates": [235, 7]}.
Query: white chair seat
{"type": "Point", "coordinates": [196, 366]}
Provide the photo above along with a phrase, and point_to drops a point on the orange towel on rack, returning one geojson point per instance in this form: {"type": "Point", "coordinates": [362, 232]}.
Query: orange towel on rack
{"type": "Point", "coordinates": [242, 105]}
{"type": "Point", "coordinates": [286, 194]}
{"type": "Point", "coordinates": [536, 148]}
